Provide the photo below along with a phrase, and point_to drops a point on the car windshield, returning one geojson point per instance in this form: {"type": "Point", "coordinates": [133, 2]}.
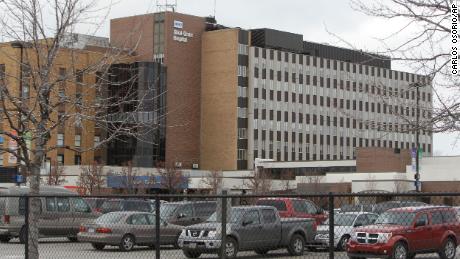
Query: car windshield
{"type": "Point", "coordinates": [278, 204]}
{"type": "Point", "coordinates": [167, 210]}
{"type": "Point", "coordinates": [235, 216]}
{"type": "Point", "coordinates": [401, 218]}
{"type": "Point", "coordinates": [110, 218]}
{"type": "Point", "coordinates": [342, 220]}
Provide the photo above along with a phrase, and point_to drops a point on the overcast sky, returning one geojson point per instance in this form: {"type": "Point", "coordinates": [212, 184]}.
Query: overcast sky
{"type": "Point", "coordinates": [318, 21]}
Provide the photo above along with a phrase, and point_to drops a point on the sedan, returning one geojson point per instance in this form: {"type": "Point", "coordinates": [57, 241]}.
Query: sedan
{"type": "Point", "coordinates": [127, 229]}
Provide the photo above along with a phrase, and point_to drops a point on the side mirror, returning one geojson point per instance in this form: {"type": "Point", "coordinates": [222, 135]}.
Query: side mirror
{"type": "Point", "coordinates": [420, 223]}
{"type": "Point", "coordinates": [247, 222]}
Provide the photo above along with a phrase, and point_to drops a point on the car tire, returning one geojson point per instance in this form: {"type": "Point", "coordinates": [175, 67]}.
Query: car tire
{"type": "Point", "coordinates": [98, 246]}
{"type": "Point", "coordinates": [191, 254]}
{"type": "Point", "coordinates": [72, 239]}
{"type": "Point", "coordinates": [296, 246]}
{"type": "Point", "coordinates": [231, 248]}
{"type": "Point", "coordinates": [5, 239]}
{"type": "Point", "coordinates": [399, 251]}
{"type": "Point", "coordinates": [342, 245]}
{"type": "Point", "coordinates": [127, 243]}
{"type": "Point", "coordinates": [22, 235]}
{"type": "Point", "coordinates": [449, 248]}
{"type": "Point", "coordinates": [261, 251]}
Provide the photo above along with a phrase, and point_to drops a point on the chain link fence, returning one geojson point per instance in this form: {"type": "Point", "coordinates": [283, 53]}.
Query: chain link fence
{"type": "Point", "coordinates": [406, 225]}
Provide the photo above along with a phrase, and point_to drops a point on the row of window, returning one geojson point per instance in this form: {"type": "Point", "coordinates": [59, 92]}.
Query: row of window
{"type": "Point", "coordinates": [337, 65]}
{"type": "Point", "coordinates": [346, 85]}
{"type": "Point", "coordinates": [77, 140]}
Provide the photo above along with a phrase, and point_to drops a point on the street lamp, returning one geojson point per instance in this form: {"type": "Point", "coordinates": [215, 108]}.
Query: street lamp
{"type": "Point", "coordinates": [417, 85]}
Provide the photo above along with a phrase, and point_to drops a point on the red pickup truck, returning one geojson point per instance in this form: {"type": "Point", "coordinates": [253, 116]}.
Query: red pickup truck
{"type": "Point", "coordinates": [405, 232]}
{"type": "Point", "coordinates": [295, 208]}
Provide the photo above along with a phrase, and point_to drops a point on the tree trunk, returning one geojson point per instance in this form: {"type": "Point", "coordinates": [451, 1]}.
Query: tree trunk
{"type": "Point", "coordinates": [34, 212]}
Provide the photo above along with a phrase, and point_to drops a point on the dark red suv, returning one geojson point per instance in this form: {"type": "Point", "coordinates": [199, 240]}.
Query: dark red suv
{"type": "Point", "coordinates": [295, 208]}
{"type": "Point", "coordinates": [405, 232]}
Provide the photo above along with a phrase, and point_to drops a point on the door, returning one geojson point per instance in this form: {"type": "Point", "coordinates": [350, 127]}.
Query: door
{"type": "Point", "coordinates": [438, 229]}
{"type": "Point", "coordinates": [167, 234]}
{"type": "Point", "coordinates": [64, 213]}
{"type": "Point", "coordinates": [250, 230]}
{"type": "Point", "coordinates": [271, 229]}
{"type": "Point", "coordinates": [82, 213]}
{"type": "Point", "coordinates": [142, 230]}
{"type": "Point", "coordinates": [50, 217]}
{"type": "Point", "coordinates": [184, 215]}
{"type": "Point", "coordinates": [419, 237]}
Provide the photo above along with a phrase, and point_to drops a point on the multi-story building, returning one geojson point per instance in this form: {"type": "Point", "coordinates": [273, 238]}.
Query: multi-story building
{"type": "Point", "coordinates": [77, 133]}
{"type": "Point", "coordinates": [233, 95]}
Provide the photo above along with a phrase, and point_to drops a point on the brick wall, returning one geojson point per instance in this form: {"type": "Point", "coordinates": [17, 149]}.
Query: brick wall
{"type": "Point", "coordinates": [382, 160]}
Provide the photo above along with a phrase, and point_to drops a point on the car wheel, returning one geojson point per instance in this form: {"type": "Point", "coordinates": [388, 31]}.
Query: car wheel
{"type": "Point", "coordinates": [22, 235]}
{"type": "Point", "coordinates": [72, 239]}
{"type": "Point", "coordinates": [342, 245]}
{"type": "Point", "coordinates": [261, 251]}
{"type": "Point", "coordinates": [191, 254]}
{"type": "Point", "coordinates": [127, 243]}
{"type": "Point", "coordinates": [5, 239]}
{"type": "Point", "coordinates": [448, 249]}
{"type": "Point", "coordinates": [296, 245]}
{"type": "Point", "coordinates": [231, 248]}
{"type": "Point", "coordinates": [400, 251]}
{"type": "Point", "coordinates": [98, 246]}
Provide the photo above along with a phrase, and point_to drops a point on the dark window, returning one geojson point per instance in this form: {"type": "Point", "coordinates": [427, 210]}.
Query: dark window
{"type": "Point", "coordinates": [268, 216]}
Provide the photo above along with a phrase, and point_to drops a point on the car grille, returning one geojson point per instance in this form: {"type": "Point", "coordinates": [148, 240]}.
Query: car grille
{"type": "Point", "coordinates": [194, 233]}
{"type": "Point", "coordinates": [366, 238]}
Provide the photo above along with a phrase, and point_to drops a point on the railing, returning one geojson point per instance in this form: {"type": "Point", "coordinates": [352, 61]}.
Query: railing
{"type": "Point", "coordinates": [361, 225]}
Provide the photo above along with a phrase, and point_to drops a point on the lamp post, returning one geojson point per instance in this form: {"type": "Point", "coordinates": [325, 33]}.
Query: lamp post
{"type": "Point", "coordinates": [417, 85]}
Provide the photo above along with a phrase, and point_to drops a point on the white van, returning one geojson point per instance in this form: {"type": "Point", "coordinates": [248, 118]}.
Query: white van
{"type": "Point", "coordinates": [61, 213]}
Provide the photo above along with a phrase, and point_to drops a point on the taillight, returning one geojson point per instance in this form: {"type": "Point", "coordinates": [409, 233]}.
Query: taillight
{"type": "Point", "coordinates": [103, 230]}
{"type": "Point", "coordinates": [97, 210]}
{"type": "Point", "coordinates": [82, 229]}
{"type": "Point", "coordinates": [6, 219]}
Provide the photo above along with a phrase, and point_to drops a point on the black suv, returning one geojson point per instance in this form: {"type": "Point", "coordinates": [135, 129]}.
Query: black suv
{"type": "Point", "coordinates": [126, 205]}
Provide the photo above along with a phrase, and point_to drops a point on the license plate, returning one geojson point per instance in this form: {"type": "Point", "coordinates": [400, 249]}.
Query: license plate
{"type": "Point", "coordinates": [192, 245]}
{"type": "Point", "coordinates": [90, 230]}
{"type": "Point", "coordinates": [322, 236]}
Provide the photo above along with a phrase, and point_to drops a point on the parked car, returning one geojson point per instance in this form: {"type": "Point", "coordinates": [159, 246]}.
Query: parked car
{"type": "Point", "coordinates": [405, 232]}
{"type": "Point", "coordinates": [384, 206]}
{"type": "Point", "coordinates": [127, 229]}
{"type": "Point", "coordinates": [295, 208]}
{"type": "Point", "coordinates": [60, 214]}
{"type": "Point", "coordinates": [343, 227]}
{"type": "Point", "coordinates": [95, 203]}
{"type": "Point", "coordinates": [357, 208]}
{"type": "Point", "coordinates": [112, 205]}
{"type": "Point", "coordinates": [257, 228]}
{"type": "Point", "coordinates": [187, 212]}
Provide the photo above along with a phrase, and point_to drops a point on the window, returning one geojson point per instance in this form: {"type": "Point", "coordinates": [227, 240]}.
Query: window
{"type": "Point", "coordinates": [63, 204]}
{"type": "Point", "coordinates": [242, 133]}
{"type": "Point", "coordinates": [77, 140]}
{"type": "Point", "coordinates": [60, 159]}
{"type": "Point", "coordinates": [252, 217]}
{"type": "Point", "coordinates": [78, 99]}
{"type": "Point", "coordinates": [138, 219]}
{"type": "Point", "coordinates": [80, 205]}
{"type": "Point", "coordinates": [242, 112]}
{"type": "Point", "coordinates": [242, 154]}
{"type": "Point", "coordinates": [77, 160]}
{"type": "Point", "coordinates": [268, 216]}
{"type": "Point", "coordinates": [50, 204]}
{"type": "Point", "coordinates": [205, 209]}
{"type": "Point", "coordinates": [242, 49]}
{"type": "Point", "coordinates": [186, 210]}
{"type": "Point", "coordinates": [449, 216]}
{"type": "Point", "coordinates": [79, 76]}
{"type": "Point", "coordinates": [1, 159]}
{"type": "Point", "coordinates": [423, 218]}
{"type": "Point", "coordinates": [60, 139]}
{"type": "Point", "coordinates": [2, 72]}
{"type": "Point", "coordinates": [436, 217]}
{"type": "Point", "coordinates": [304, 207]}
{"type": "Point", "coordinates": [242, 71]}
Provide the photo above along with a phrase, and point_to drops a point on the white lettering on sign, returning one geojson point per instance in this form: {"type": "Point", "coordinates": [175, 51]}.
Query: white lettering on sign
{"type": "Point", "coordinates": [178, 24]}
{"type": "Point", "coordinates": [182, 35]}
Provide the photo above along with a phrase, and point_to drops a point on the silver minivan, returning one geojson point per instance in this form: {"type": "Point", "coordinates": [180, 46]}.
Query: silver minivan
{"type": "Point", "coordinates": [61, 213]}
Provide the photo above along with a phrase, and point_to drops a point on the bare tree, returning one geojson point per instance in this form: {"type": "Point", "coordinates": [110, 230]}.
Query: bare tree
{"type": "Point", "coordinates": [213, 180]}
{"type": "Point", "coordinates": [260, 182]}
{"type": "Point", "coordinates": [421, 42]}
{"type": "Point", "coordinates": [287, 177]}
{"type": "Point", "coordinates": [371, 184]}
{"type": "Point", "coordinates": [400, 183]}
{"type": "Point", "coordinates": [128, 178]}
{"type": "Point", "coordinates": [46, 101]}
{"type": "Point", "coordinates": [56, 176]}
{"type": "Point", "coordinates": [91, 179]}
{"type": "Point", "coordinates": [172, 179]}
{"type": "Point", "coordinates": [314, 183]}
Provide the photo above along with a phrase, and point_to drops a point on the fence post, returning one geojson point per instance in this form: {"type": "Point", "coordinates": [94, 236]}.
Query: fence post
{"type": "Point", "coordinates": [224, 224]}
{"type": "Point", "coordinates": [157, 227]}
{"type": "Point", "coordinates": [331, 225]}
{"type": "Point", "coordinates": [26, 225]}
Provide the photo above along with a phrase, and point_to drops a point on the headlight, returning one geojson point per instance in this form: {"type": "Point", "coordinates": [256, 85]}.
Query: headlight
{"type": "Point", "coordinates": [384, 237]}
{"type": "Point", "coordinates": [353, 236]}
{"type": "Point", "coordinates": [212, 234]}
{"type": "Point", "coordinates": [183, 233]}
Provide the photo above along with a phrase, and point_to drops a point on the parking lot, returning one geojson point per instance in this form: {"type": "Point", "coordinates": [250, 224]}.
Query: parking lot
{"type": "Point", "coordinates": [61, 248]}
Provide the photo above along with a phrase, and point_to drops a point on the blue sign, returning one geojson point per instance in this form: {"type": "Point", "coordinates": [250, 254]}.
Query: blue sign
{"type": "Point", "coordinates": [1, 140]}
{"type": "Point", "coordinates": [19, 178]}
{"type": "Point", "coordinates": [140, 181]}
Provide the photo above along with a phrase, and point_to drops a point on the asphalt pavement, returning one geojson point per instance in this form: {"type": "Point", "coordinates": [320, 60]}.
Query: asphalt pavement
{"type": "Point", "coordinates": [61, 248]}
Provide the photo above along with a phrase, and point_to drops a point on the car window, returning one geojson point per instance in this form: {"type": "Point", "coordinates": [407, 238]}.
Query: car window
{"type": "Point", "coordinates": [50, 204]}
{"type": "Point", "coordinates": [299, 206]}
{"type": "Point", "coordinates": [279, 205]}
{"type": "Point", "coordinates": [205, 209]}
{"type": "Point", "coordinates": [311, 208]}
{"type": "Point", "coordinates": [436, 217]}
{"type": "Point", "coordinates": [138, 219]}
{"type": "Point", "coordinates": [151, 219]}
{"type": "Point", "coordinates": [252, 216]}
{"type": "Point", "coordinates": [423, 217]}
{"type": "Point", "coordinates": [80, 205]}
{"type": "Point", "coordinates": [268, 216]}
{"type": "Point", "coordinates": [449, 216]}
{"type": "Point", "coordinates": [186, 210]}
{"type": "Point", "coordinates": [361, 220]}
{"type": "Point", "coordinates": [109, 206]}
{"type": "Point", "coordinates": [371, 218]}
{"type": "Point", "coordinates": [137, 206]}
{"type": "Point", "coordinates": [109, 218]}
{"type": "Point", "coordinates": [63, 204]}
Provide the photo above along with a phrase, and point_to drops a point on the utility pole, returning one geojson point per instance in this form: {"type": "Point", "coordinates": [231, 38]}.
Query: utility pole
{"type": "Point", "coordinates": [417, 144]}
